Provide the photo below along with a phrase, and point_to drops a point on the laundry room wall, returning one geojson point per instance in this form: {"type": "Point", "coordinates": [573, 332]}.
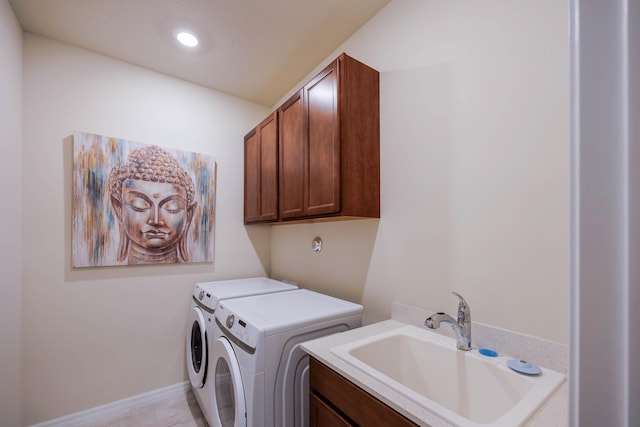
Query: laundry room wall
{"type": "Point", "coordinates": [474, 169]}
{"type": "Point", "coordinates": [95, 335]}
{"type": "Point", "coordinates": [475, 194]}
{"type": "Point", "coordinates": [11, 223]}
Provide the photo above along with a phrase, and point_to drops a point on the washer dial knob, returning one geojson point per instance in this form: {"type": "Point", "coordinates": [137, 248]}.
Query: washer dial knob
{"type": "Point", "coordinates": [230, 320]}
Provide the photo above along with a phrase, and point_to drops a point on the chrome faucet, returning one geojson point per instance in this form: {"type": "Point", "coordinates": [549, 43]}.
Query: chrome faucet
{"type": "Point", "coordinates": [462, 327]}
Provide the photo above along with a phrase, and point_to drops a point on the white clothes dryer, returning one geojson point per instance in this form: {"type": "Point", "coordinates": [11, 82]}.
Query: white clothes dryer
{"type": "Point", "coordinates": [259, 371]}
{"type": "Point", "coordinates": [205, 298]}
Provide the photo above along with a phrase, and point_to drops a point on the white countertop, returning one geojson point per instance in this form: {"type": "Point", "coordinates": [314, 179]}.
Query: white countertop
{"type": "Point", "coordinates": [554, 413]}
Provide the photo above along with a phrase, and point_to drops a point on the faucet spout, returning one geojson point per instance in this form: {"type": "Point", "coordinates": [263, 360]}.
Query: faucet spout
{"type": "Point", "coordinates": [461, 326]}
{"type": "Point", "coordinates": [433, 322]}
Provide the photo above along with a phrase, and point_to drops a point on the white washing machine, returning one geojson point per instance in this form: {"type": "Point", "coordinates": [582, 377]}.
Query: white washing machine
{"type": "Point", "coordinates": [205, 298]}
{"type": "Point", "coordinates": [260, 373]}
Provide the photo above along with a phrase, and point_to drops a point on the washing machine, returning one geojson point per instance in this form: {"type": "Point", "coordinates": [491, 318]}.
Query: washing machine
{"type": "Point", "coordinates": [260, 374]}
{"type": "Point", "coordinates": [205, 298]}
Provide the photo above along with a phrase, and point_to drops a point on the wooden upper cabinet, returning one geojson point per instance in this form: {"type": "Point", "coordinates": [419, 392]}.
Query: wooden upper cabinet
{"type": "Point", "coordinates": [321, 150]}
{"type": "Point", "coordinates": [330, 145]}
{"type": "Point", "coordinates": [261, 172]}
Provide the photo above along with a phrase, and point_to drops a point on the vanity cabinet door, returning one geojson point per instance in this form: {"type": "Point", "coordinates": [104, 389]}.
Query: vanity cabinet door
{"type": "Point", "coordinates": [261, 172]}
{"type": "Point", "coordinates": [339, 400]}
{"type": "Point", "coordinates": [322, 415]}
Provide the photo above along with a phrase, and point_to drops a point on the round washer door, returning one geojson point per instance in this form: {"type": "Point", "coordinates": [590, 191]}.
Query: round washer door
{"type": "Point", "coordinates": [230, 406]}
{"type": "Point", "coordinates": [196, 348]}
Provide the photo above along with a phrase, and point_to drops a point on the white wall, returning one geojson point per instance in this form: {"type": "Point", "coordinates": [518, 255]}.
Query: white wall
{"type": "Point", "coordinates": [92, 336]}
{"type": "Point", "coordinates": [11, 218]}
{"type": "Point", "coordinates": [474, 169]}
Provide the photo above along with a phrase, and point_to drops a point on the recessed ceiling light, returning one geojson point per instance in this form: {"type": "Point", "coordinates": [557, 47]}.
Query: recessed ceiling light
{"type": "Point", "coordinates": [187, 39]}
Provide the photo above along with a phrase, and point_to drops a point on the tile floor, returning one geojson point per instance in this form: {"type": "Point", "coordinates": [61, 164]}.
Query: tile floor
{"type": "Point", "coordinates": [177, 411]}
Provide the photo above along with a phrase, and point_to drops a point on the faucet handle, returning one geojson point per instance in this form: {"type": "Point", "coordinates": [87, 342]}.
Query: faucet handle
{"type": "Point", "coordinates": [464, 312]}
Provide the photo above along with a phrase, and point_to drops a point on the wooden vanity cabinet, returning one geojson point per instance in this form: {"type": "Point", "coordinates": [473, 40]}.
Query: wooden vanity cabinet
{"type": "Point", "coordinates": [261, 172]}
{"type": "Point", "coordinates": [336, 402]}
{"type": "Point", "coordinates": [329, 137]}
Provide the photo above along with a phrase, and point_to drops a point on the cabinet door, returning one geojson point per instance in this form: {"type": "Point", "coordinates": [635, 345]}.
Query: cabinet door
{"type": "Point", "coordinates": [251, 177]}
{"type": "Point", "coordinates": [261, 172]}
{"type": "Point", "coordinates": [344, 400]}
{"type": "Point", "coordinates": [268, 131]}
{"type": "Point", "coordinates": [291, 144]}
{"type": "Point", "coordinates": [323, 415]}
{"type": "Point", "coordinates": [322, 155]}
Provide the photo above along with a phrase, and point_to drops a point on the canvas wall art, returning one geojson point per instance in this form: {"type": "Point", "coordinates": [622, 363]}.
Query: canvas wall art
{"type": "Point", "coordinates": [136, 203]}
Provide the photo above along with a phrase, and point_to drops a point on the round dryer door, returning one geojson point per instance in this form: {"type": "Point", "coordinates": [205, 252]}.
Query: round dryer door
{"type": "Point", "coordinates": [196, 348]}
{"type": "Point", "coordinates": [230, 406]}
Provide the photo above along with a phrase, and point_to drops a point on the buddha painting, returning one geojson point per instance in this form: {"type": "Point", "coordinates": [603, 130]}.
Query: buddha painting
{"type": "Point", "coordinates": [152, 196]}
{"type": "Point", "coordinates": [138, 204]}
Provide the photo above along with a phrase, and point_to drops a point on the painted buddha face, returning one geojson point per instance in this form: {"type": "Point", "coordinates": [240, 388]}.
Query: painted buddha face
{"type": "Point", "coordinates": [154, 214]}
{"type": "Point", "coordinates": [153, 200]}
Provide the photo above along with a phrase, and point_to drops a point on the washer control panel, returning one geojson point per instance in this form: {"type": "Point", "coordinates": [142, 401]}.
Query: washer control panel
{"type": "Point", "coordinates": [236, 326]}
{"type": "Point", "coordinates": [204, 298]}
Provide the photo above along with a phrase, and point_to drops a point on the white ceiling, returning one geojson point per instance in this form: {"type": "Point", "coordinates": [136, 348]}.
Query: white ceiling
{"type": "Point", "coordinates": [253, 49]}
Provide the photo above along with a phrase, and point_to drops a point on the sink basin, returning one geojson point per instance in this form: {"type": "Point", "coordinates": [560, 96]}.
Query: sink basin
{"type": "Point", "coordinates": [462, 387]}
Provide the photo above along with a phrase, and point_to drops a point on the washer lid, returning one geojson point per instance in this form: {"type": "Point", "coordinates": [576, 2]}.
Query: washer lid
{"type": "Point", "coordinates": [275, 313]}
{"type": "Point", "coordinates": [209, 293]}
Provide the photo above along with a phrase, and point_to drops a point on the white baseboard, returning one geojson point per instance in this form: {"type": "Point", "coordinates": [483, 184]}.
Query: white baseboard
{"type": "Point", "coordinates": [104, 412]}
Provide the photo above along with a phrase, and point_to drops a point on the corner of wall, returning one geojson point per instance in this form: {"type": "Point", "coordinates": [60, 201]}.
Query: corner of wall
{"type": "Point", "coordinates": [11, 39]}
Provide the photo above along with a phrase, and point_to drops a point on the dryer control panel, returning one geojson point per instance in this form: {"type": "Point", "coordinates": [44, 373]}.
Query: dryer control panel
{"type": "Point", "coordinates": [237, 327]}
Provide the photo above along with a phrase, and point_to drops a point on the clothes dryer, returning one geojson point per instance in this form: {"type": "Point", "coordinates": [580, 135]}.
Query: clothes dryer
{"type": "Point", "coordinates": [205, 298]}
{"type": "Point", "coordinates": [260, 374]}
